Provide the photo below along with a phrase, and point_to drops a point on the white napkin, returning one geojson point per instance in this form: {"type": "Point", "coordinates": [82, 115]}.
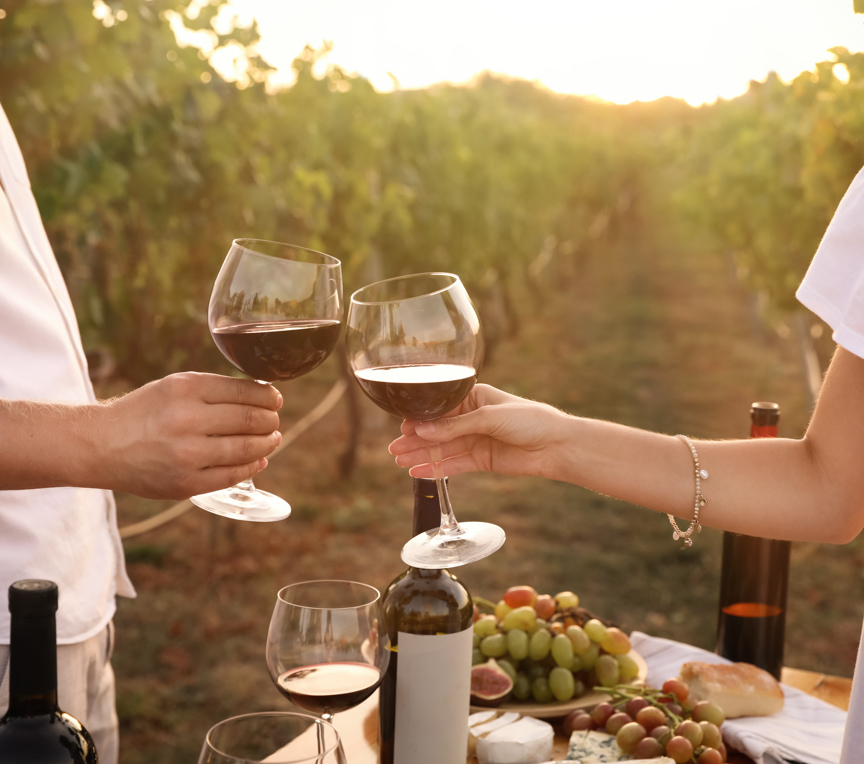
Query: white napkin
{"type": "Point", "coordinates": [806, 730]}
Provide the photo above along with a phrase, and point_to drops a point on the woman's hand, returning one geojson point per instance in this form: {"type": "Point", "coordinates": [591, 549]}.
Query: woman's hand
{"type": "Point", "coordinates": [490, 431]}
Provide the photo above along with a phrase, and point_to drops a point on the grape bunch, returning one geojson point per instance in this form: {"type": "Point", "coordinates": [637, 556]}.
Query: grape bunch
{"type": "Point", "coordinates": [648, 723]}
{"type": "Point", "coordinates": [552, 649]}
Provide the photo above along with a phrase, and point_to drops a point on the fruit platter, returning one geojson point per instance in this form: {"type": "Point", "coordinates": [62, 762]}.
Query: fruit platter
{"type": "Point", "coordinates": [544, 655]}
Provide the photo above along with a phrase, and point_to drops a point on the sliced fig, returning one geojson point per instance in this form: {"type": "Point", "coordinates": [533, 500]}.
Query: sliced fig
{"type": "Point", "coordinates": [490, 684]}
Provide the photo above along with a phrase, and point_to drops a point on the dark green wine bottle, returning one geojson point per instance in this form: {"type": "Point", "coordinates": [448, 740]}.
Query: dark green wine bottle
{"type": "Point", "coordinates": [424, 697]}
{"type": "Point", "coordinates": [751, 618]}
{"type": "Point", "coordinates": [34, 730]}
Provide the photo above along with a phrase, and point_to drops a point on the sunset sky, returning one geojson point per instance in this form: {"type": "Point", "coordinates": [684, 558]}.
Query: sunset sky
{"type": "Point", "coordinates": [619, 50]}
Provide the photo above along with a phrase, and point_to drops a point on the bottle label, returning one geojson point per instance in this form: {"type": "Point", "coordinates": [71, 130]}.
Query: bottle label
{"type": "Point", "coordinates": [433, 689]}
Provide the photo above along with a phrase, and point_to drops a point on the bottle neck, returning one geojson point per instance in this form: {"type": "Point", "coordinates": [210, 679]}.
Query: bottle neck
{"type": "Point", "coordinates": [427, 507]}
{"type": "Point", "coordinates": [32, 665]}
{"type": "Point", "coordinates": [763, 431]}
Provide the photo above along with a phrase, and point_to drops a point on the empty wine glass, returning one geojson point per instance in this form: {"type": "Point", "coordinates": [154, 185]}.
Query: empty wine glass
{"type": "Point", "coordinates": [272, 737]}
{"type": "Point", "coordinates": [275, 313]}
{"type": "Point", "coordinates": [326, 648]}
{"type": "Point", "coordinates": [415, 346]}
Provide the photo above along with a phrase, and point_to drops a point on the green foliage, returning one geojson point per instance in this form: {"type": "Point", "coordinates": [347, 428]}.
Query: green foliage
{"type": "Point", "coordinates": [146, 164]}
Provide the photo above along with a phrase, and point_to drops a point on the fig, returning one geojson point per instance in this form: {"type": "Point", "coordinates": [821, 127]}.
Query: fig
{"type": "Point", "coordinates": [490, 684]}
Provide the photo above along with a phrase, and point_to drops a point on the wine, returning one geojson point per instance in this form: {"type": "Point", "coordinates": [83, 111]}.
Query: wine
{"type": "Point", "coordinates": [329, 688]}
{"type": "Point", "coordinates": [34, 730]}
{"type": "Point", "coordinates": [425, 694]}
{"type": "Point", "coordinates": [419, 391]}
{"type": "Point", "coordinates": [277, 350]}
{"type": "Point", "coordinates": [751, 619]}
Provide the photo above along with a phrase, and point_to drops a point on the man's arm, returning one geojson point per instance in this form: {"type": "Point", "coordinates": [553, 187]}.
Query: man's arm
{"type": "Point", "coordinates": [185, 434]}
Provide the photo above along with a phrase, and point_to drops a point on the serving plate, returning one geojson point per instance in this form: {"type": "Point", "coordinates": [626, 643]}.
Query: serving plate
{"type": "Point", "coordinates": [559, 709]}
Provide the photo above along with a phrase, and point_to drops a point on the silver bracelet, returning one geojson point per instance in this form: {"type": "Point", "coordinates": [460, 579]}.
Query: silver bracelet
{"type": "Point", "coordinates": [699, 502]}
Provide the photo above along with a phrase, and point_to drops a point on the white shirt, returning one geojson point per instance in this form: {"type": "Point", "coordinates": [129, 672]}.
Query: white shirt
{"type": "Point", "coordinates": [66, 535]}
{"type": "Point", "coordinates": [834, 290]}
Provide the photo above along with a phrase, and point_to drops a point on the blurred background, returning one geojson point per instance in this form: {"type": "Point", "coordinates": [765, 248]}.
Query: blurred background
{"type": "Point", "coordinates": [630, 195]}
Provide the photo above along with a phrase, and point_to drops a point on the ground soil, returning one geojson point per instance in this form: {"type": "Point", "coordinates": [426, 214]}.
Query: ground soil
{"type": "Point", "coordinates": [652, 330]}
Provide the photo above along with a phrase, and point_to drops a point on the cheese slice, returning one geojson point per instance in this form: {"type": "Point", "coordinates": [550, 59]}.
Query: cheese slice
{"type": "Point", "coordinates": [526, 741]}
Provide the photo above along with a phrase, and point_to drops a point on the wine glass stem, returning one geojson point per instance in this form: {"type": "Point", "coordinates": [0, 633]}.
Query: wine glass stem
{"type": "Point", "coordinates": [449, 526]}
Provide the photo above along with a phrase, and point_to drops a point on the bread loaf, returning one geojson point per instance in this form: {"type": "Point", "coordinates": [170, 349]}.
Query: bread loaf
{"type": "Point", "coordinates": [740, 689]}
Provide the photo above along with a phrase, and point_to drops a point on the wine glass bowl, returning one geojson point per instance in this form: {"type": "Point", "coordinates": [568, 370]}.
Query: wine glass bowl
{"type": "Point", "coordinates": [326, 648]}
{"type": "Point", "coordinates": [275, 313]}
{"type": "Point", "coordinates": [415, 346]}
{"type": "Point", "coordinates": [274, 737]}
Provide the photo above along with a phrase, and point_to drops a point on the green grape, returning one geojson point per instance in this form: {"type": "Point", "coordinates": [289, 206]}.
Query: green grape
{"type": "Point", "coordinates": [595, 630]}
{"type": "Point", "coordinates": [521, 687]}
{"type": "Point", "coordinates": [711, 737]}
{"type": "Point", "coordinates": [691, 730]}
{"type": "Point", "coordinates": [476, 638]}
{"type": "Point", "coordinates": [494, 646]}
{"type": "Point", "coordinates": [629, 736]}
{"type": "Point", "coordinates": [485, 625]}
{"type": "Point", "coordinates": [534, 669]}
{"type": "Point", "coordinates": [539, 624]}
{"type": "Point", "coordinates": [517, 644]}
{"type": "Point", "coordinates": [581, 641]}
{"type": "Point", "coordinates": [629, 669]}
{"type": "Point", "coordinates": [590, 656]}
{"type": "Point", "coordinates": [541, 691]}
{"type": "Point", "coordinates": [562, 651]}
{"type": "Point", "coordinates": [521, 618]}
{"type": "Point", "coordinates": [538, 646]}
{"type": "Point", "coordinates": [562, 683]}
{"type": "Point", "coordinates": [607, 671]}
{"type": "Point", "coordinates": [477, 657]}
{"type": "Point", "coordinates": [706, 711]}
{"type": "Point", "coordinates": [508, 668]}
{"type": "Point", "coordinates": [615, 722]}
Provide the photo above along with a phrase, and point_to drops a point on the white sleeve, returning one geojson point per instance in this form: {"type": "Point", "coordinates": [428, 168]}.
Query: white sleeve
{"type": "Point", "coordinates": [834, 285]}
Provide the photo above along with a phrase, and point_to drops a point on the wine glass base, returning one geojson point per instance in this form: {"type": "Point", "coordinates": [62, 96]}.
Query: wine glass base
{"type": "Point", "coordinates": [252, 506]}
{"type": "Point", "coordinates": [435, 551]}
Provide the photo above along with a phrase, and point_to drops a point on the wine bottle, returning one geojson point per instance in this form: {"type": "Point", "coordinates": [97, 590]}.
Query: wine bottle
{"type": "Point", "coordinates": [751, 620]}
{"type": "Point", "coordinates": [424, 697]}
{"type": "Point", "coordinates": [34, 730]}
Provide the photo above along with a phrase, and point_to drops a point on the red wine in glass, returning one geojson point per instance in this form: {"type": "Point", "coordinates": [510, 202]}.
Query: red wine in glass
{"type": "Point", "coordinates": [418, 391]}
{"type": "Point", "coordinates": [326, 648]}
{"type": "Point", "coordinates": [273, 351]}
{"type": "Point", "coordinates": [328, 688]}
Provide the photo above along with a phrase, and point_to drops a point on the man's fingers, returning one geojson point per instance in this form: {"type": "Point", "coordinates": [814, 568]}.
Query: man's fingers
{"type": "Point", "coordinates": [231, 419]}
{"type": "Point", "coordinates": [215, 389]}
{"type": "Point", "coordinates": [234, 450]}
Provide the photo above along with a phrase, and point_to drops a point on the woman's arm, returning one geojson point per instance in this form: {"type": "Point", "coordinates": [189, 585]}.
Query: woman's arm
{"type": "Point", "coordinates": [810, 489]}
{"type": "Point", "coordinates": [185, 434]}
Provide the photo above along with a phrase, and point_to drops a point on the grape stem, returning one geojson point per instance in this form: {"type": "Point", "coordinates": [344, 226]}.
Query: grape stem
{"type": "Point", "coordinates": [621, 693]}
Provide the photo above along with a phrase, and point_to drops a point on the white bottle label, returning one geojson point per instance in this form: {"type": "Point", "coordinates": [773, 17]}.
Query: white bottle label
{"type": "Point", "coordinates": [433, 690]}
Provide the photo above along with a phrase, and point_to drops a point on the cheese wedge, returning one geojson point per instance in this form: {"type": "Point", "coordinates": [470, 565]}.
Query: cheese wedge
{"type": "Point", "coordinates": [525, 741]}
{"type": "Point", "coordinates": [484, 724]}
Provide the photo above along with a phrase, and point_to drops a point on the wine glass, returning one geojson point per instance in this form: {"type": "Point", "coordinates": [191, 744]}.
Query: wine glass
{"type": "Point", "coordinates": [275, 313]}
{"type": "Point", "coordinates": [415, 346]}
{"type": "Point", "coordinates": [327, 650]}
{"type": "Point", "coordinates": [272, 737]}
